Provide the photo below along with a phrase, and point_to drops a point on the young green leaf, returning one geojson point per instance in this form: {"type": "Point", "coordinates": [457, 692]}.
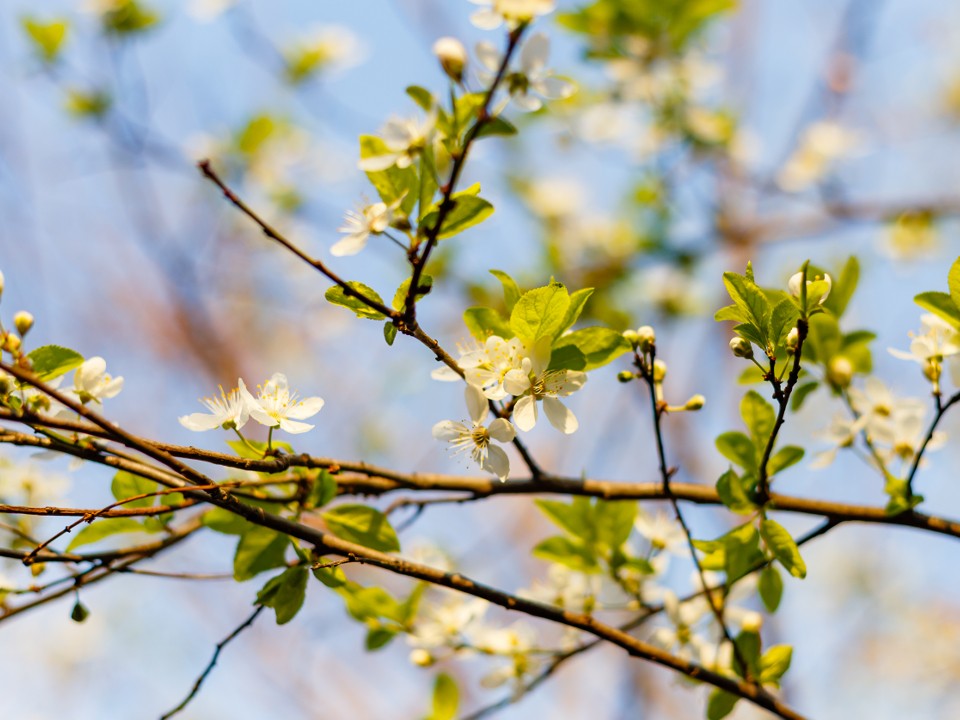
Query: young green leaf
{"type": "Point", "coordinates": [127, 485]}
{"type": "Point", "coordinates": [783, 547]}
{"type": "Point", "coordinates": [103, 528]}
{"type": "Point", "coordinates": [468, 210]}
{"type": "Point", "coordinates": [843, 288]}
{"type": "Point", "coordinates": [483, 322]}
{"type": "Point", "coordinates": [940, 304]}
{"type": "Point", "coordinates": [285, 593]}
{"type": "Point", "coordinates": [732, 493]}
{"type": "Point", "coordinates": [770, 587]}
{"type": "Point", "coordinates": [758, 416]}
{"type": "Point", "coordinates": [566, 552]}
{"type": "Point", "coordinates": [337, 296]}
{"type": "Point", "coordinates": [597, 345]}
{"type": "Point", "coordinates": [446, 698]}
{"type": "Point", "coordinates": [511, 291]}
{"type": "Point", "coordinates": [576, 518]}
{"type": "Point", "coordinates": [52, 361]}
{"type": "Point", "coordinates": [539, 313]}
{"type": "Point", "coordinates": [720, 704]}
{"type": "Point", "coordinates": [577, 302]}
{"type": "Point", "coordinates": [784, 458]}
{"type": "Point", "coordinates": [363, 525]}
{"type": "Point", "coordinates": [800, 394]}
{"type": "Point", "coordinates": [738, 448]}
{"type": "Point", "coordinates": [259, 549]}
{"type": "Point", "coordinates": [47, 38]}
{"type": "Point", "coordinates": [774, 664]}
{"type": "Point", "coordinates": [953, 282]}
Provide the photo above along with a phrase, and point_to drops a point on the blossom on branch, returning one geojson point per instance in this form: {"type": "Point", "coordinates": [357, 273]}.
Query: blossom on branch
{"type": "Point", "coordinates": [276, 406]}
{"type": "Point", "coordinates": [533, 80]}
{"type": "Point", "coordinates": [358, 226]}
{"type": "Point", "coordinates": [92, 382]}
{"type": "Point", "coordinates": [475, 438]}
{"type": "Point", "coordinates": [532, 383]}
{"type": "Point", "coordinates": [228, 411]}
{"type": "Point", "coordinates": [512, 12]}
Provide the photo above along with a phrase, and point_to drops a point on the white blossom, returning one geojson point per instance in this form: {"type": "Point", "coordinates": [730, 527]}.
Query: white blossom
{"type": "Point", "coordinates": [276, 406]}
{"type": "Point", "coordinates": [475, 438]}
{"type": "Point", "coordinates": [358, 226]}
{"type": "Point", "coordinates": [533, 80]}
{"type": "Point", "coordinates": [404, 139]}
{"type": "Point", "coordinates": [92, 383]}
{"type": "Point", "coordinates": [512, 12]}
{"type": "Point", "coordinates": [533, 383]}
{"type": "Point", "coordinates": [229, 410]}
{"type": "Point", "coordinates": [794, 286]}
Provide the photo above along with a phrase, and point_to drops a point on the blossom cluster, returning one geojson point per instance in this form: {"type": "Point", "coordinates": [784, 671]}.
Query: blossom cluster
{"type": "Point", "coordinates": [275, 407]}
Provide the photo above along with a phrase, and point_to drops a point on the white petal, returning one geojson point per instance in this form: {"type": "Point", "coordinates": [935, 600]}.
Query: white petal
{"type": "Point", "coordinates": [350, 245]}
{"type": "Point", "coordinates": [572, 381]}
{"type": "Point", "coordinates": [488, 56]}
{"type": "Point", "coordinates": [533, 57]}
{"type": "Point", "coordinates": [525, 413]}
{"type": "Point", "coordinates": [516, 382]}
{"type": "Point", "coordinates": [449, 430]}
{"type": "Point", "coordinates": [501, 430]}
{"type": "Point", "coordinates": [902, 355]}
{"type": "Point", "coordinates": [88, 373]}
{"type": "Point", "coordinates": [111, 388]}
{"type": "Point", "coordinates": [293, 427]}
{"type": "Point", "coordinates": [527, 103]}
{"type": "Point", "coordinates": [377, 163]}
{"type": "Point", "coordinates": [253, 407]}
{"type": "Point", "coordinates": [560, 416]}
{"type": "Point", "coordinates": [486, 19]}
{"type": "Point", "coordinates": [199, 422]}
{"type": "Point", "coordinates": [444, 374]}
{"type": "Point", "coordinates": [553, 88]}
{"type": "Point", "coordinates": [476, 403]}
{"type": "Point", "coordinates": [308, 407]}
{"type": "Point", "coordinates": [497, 462]}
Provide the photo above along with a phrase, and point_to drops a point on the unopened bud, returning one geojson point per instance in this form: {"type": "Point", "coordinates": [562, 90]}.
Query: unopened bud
{"type": "Point", "coordinates": [452, 56]}
{"type": "Point", "coordinates": [818, 288]}
{"type": "Point", "coordinates": [695, 403]}
{"type": "Point", "coordinates": [631, 337]}
{"type": "Point", "coordinates": [23, 321]}
{"type": "Point", "coordinates": [659, 370]}
{"type": "Point", "coordinates": [5, 385]}
{"type": "Point", "coordinates": [793, 341]}
{"type": "Point", "coordinates": [421, 657]}
{"type": "Point", "coordinates": [11, 343]}
{"type": "Point", "coordinates": [932, 370]}
{"type": "Point", "coordinates": [647, 337]}
{"type": "Point", "coordinates": [625, 376]}
{"type": "Point", "coordinates": [840, 372]}
{"type": "Point", "coordinates": [741, 348]}
{"type": "Point", "coordinates": [1, 283]}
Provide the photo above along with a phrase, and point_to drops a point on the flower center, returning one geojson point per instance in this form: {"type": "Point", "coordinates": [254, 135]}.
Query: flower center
{"type": "Point", "coordinates": [480, 437]}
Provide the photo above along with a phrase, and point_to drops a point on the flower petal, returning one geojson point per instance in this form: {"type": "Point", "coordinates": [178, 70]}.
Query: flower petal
{"type": "Point", "coordinates": [450, 430]}
{"type": "Point", "coordinates": [536, 51]}
{"type": "Point", "coordinates": [350, 245]}
{"type": "Point", "coordinates": [308, 407]}
{"type": "Point", "coordinates": [199, 422]}
{"type": "Point", "coordinates": [560, 416]}
{"type": "Point", "coordinates": [253, 407]}
{"type": "Point", "coordinates": [497, 462]}
{"type": "Point", "coordinates": [525, 413]}
{"type": "Point", "coordinates": [501, 430]}
{"type": "Point", "coordinates": [476, 403]}
{"type": "Point", "coordinates": [293, 427]}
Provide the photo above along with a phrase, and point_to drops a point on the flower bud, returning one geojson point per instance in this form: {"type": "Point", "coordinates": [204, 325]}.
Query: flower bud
{"type": "Point", "coordinates": [625, 376]}
{"type": "Point", "coordinates": [932, 370]}
{"type": "Point", "coordinates": [695, 403]}
{"type": "Point", "coordinates": [1, 283]}
{"type": "Point", "coordinates": [659, 370]}
{"type": "Point", "coordinates": [452, 56]}
{"type": "Point", "coordinates": [821, 286]}
{"type": "Point", "coordinates": [5, 385]}
{"type": "Point", "coordinates": [11, 343]}
{"type": "Point", "coordinates": [793, 341]}
{"type": "Point", "coordinates": [647, 337]}
{"type": "Point", "coordinates": [421, 657]}
{"type": "Point", "coordinates": [23, 321]}
{"type": "Point", "coordinates": [741, 348]}
{"type": "Point", "coordinates": [840, 372]}
{"type": "Point", "coordinates": [631, 337]}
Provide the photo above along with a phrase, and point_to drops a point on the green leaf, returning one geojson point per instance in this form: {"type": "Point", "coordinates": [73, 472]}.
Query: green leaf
{"type": "Point", "coordinates": [128, 17]}
{"type": "Point", "coordinates": [748, 646]}
{"type": "Point", "coordinates": [783, 320]}
{"type": "Point", "coordinates": [567, 357]}
{"type": "Point", "coordinates": [52, 361]}
{"type": "Point", "coordinates": [540, 313]}
{"type": "Point", "coordinates": [823, 339]}
{"type": "Point", "coordinates": [953, 282]}
{"type": "Point", "coordinates": [784, 458]}
{"type": "Point", "coordinates": [741, 551]}
{"type": "Point", "coordinates": [940, 304]}
{"type": "Point", "coordinates": [446, 698]}
{"type": "Point", "coordinates": [103, 528]}
{"type": "Point", "coordinates": [783, 547]}
{"type": "Point", "coordinates": [422, 97]}
{"type": "Point", "coordinates": [511, 291]}
{"type": "Point", "coordinates": [332, 577]}
{"type": "Point", "coordinates": [256, 449]}
{"type": "Point", "coordinates": [733, 494]}
{"type": "Point", "coordinates": [468, 210]}
{"type": "Point", "coordinates": [285, 593]}
{"type": "Point", "coordinates": [800, 393]}
{"type": "Point", "coordinates": [496, 126]}
{"type": "Point", "coordinates": [758, 416]}
{"type": "Point", "coordinates": [378, 637]}
{"type": "Point", "coordinates": [259, 549]}
{"type": "Point", "coordinates": [389, 332]}
{"type": "Point", "coordinates": [576, 518]}
{"type": "Point", "coordinates": [738, 448]}
{"type": "Point", "coordinates": [371, 603]}
{"type": "Point", "coordinates": [48, 37]}
{"type": "Point", "coordinates": [751, 375]}
{"type": "Point", "coordinates": [127, 485]}
{"type": "Point", "coordinates": [597, 345]}
{"type": "Point", "coordinates": [324, 490]}
{"type": "Point", "coordinates": [774, 664]}
{"type": "Point", "coordinates": [770, 586]}
{"type": "Point", "coordinates": [577, 302]}
{"type": "Point", "coordinates": [751, 300]}
{"type": "Point", "coordinates": [338, 296]}
{"type": "Point", "coordinates": [720, 704]}
{"type": "Point", "coordinates": [393, 183]}
{"type": "Point", "coordinates": [400, 296]}
{"type": "Point", "coordinates": [843, 288]}
{"type": "Point", "coordinates": [483, 322]}
{"type": "Point", "coordinates": [363, 525]}
{"type": "Point", "coordinates": [224, 521]}
{"type": "Point", "coordinates": [731, 313]}
{"type": "Point", "coordinates": [614, 521]}
{"type": "Point", "coordinates": [569, 553]}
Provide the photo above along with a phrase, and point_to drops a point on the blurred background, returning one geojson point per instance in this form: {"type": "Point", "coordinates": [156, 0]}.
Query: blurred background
{"type": "Point", "coordinates": [703, 135]}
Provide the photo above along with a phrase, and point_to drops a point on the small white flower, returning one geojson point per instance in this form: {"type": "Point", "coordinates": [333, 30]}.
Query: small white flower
{"type": "Point", "coordinates": [840, 433]}
{"type": "Point", "coordinates": [663, 532]}
{"type": "Point", "coordinates": [404, 138]}
{"type": "Point", "coordinates": [680, 637]}
{"type": "Point", "coordinates": [475, 438]}
{"type": "Point", "coordinates": [276, 406]}
{"type": "Point", "coordinates": [452, 56]}
{"type": "Point", "coordinates": [447, 624]}
{"type": "Point", "coordinates": [824, 291]}
{"type": "Point", "coordinates": [229, 410]}
{"type": "Point", "coordinates": [532, 383]}
{"type": "Point", "coordinates": [938, 341]}
{"type": "Point", "coordinates": [511, 12]}
{"type": "Point", "coordinates": [533, 79]}
{"type": "Point", "coordinates": [92, 383]}
{"type": "Point", "coordinates": [487, 367]}
{"type": "Point", "coordinates": [820, 147]}
{"type": "Point", "coordinates": [358, 226]}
